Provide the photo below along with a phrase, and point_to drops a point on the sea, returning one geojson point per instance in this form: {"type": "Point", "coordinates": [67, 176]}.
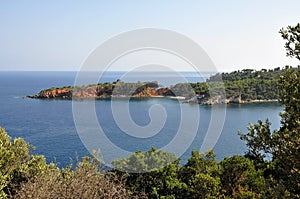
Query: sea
{"type": "Point", "coordinates": [55, 129]}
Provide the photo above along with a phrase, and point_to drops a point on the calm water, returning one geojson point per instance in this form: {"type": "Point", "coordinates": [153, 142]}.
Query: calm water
{"type": "Point", "coordinates": [49, 124]}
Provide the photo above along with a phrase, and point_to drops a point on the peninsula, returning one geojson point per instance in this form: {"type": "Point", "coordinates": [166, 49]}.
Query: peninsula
{"type": "Point", "coordinates": [243, 86]}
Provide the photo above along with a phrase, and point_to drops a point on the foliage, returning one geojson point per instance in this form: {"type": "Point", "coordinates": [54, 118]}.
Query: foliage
{"type": "Point", "coordinates": [202, 176]}
{"type": "Point", "coordinates": [153, 172]}
{"type": "Point", "coordinates": [16, 163]}
{"type": "Point", "coordinates": [282, 146]}
{"type": "Point", "coordinates": [247, 84]}
{"type": "Point", "coordinates": [183, 89]}
{"type": "Point", "coordinates": [23, 175]}
{"type": "Point", "coordinates": [292, 36]}
{"type": "Point", "coordinates": [85, 181]}
{"type": "Point", "coordinates": [240, 179]}
{"type": "Point", "coordinates": [140, 162]}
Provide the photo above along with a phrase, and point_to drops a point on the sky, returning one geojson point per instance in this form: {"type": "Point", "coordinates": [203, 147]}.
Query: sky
{"type": "Point", "coordinates": [58, 35]}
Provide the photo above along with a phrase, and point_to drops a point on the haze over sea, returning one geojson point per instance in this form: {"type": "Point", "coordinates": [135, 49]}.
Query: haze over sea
{"type": "Point", "coordinates": [49, 124]}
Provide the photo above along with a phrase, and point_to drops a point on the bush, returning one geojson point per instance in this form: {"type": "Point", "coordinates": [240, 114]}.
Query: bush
{"type": "Point", "coordinates": [16, 164]}
{"type": "Point", "coordinates": [85, 181]}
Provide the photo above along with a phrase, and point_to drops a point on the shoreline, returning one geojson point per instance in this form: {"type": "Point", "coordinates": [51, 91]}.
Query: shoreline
{"type": "Point", "coordinates": [258, 101]}
{"type": "Point", "coordinates": [182, 99]}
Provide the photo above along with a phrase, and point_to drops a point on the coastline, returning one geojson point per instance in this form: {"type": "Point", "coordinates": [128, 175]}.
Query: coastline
{"type": "Point", "coordinates": [181, 99]}
{"type": "Point", "coordinates": [259, 101]}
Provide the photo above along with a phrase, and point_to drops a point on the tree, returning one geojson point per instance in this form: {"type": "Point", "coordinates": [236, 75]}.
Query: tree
{"type": "Point", "coordinates": [154, 172]}
{"type": "Point", "coordinates": [282, 146]}
{"type": "Point", "coordinates": [201, 174]}
{"type": "Point", "coordinates": [16, 164]}
{"type": "Point", "coordinates": [141, 162]}
{"type": "Point", "coordinates": [287, 138]}
{"type": "Point", "coordinates": [292, 36]}
{"type": "Point", "coordinates": [240, 179]}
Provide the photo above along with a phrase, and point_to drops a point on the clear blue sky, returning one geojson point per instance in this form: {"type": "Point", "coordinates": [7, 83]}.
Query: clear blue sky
{"type": "Point", "coordinates": [59, 34]}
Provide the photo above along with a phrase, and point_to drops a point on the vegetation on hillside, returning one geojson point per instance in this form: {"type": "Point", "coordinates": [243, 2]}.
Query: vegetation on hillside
{"type": "Point", "coordinates": [247, 85]}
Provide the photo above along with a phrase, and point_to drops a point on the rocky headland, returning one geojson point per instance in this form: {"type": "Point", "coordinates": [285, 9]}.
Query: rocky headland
{"type": "Point", "coordinates": [140, 90]}
{"type": "Point", "coordinates": [107, 90]}
{"type": "Point", "coordinates": [242, 86]}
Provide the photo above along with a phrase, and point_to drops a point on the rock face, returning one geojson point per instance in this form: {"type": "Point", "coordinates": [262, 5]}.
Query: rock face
{"type": "Point", "coordinates": [146, 92]}
{"type": "Point", "coordinates": [213, 100]}
{"type": "Point", "coordinates": [218, 99]}
{"type": "Point", "coordinates": [86, 93]}
{"type": "Point", "coordinates": [165, 92]}
{"type": "Point", "coordinates": [53, 93]}
{"type": "Point", "coordinates": [235, 100]}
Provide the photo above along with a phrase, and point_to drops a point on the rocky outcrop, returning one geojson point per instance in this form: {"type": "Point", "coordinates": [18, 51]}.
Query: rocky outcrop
{"type": "Point", "coordinates": [146, 92]}
{"type": "Point", "coordinates": [148, 89]}
{"type": "Point", "coordinates": [53, 93]}
{"type": "Point", "coordinates": [234, 100]}
{"type": "Point", "coordinates": [165, 92]}
{"type": "Point", "coordinates": [86, 93]}
{"type": "Point", "coordinates": [222, 100]}
{"type": "Point", "coordinates": [212, 100]}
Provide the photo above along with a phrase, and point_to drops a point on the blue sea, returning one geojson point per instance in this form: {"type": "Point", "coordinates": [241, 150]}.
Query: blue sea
{"type": "Point", "coordinates": [49, 124]}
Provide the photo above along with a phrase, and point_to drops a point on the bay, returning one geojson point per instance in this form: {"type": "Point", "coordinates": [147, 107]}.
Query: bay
{"type": "Point", "coordinates": [49, 124]}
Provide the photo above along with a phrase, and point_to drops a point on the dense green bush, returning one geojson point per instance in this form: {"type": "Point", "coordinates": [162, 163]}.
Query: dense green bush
{"type": "Point", "coordinates": [16, 164]}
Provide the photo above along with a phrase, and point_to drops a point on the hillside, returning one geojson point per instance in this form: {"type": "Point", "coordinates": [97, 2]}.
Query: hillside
{"type": "Point", "coordinates": [241, 86]}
